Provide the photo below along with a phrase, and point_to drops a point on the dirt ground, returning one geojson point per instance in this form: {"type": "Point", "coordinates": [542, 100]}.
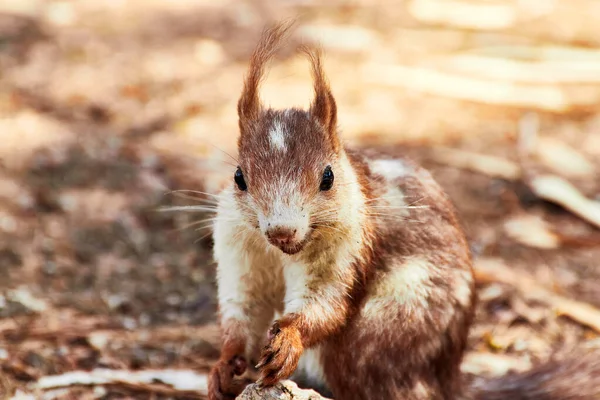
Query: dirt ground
{"type": "Point", "coordinates": [106, 108]}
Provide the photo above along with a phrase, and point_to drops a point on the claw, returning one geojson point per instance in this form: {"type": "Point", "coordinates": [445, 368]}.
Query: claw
{"type": "Point", "coordinates": [280, 357]}
{"type": "Point", "coordinates": [270, 379]}
{"type": "Point", "coordinates": [275, 329]}
{"type": "Point", "coordinates": [267, 357]}
{"type": "Point", "coordinates": [259, 383]}
{"type": "Point", "coordinates": [239, 365]}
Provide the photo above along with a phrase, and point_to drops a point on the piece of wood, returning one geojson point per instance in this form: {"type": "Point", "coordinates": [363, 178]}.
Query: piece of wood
{"type": "Point", "coordinates": [168, 381]}
{"type": "Point", "coordinates": [285, 390]}
{"type": "Point", "coordinates": [488, 165]}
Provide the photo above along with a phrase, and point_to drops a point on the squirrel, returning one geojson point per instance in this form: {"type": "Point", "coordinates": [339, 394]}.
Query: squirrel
{"type": "Point", "coordinates": [347, 270]}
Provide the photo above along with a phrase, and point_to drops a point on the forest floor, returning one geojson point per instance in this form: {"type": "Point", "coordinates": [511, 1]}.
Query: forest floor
{"type": "Point", "coordinates": [106, 109]}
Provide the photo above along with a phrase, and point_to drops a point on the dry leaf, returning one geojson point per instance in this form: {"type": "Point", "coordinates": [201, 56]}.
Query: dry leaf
{"type": "Point", "coordinates": [560, 191]}
{"type": "Point", "coordinates": [532, 231]}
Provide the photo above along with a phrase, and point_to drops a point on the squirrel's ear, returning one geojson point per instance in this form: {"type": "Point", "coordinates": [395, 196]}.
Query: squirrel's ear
{"type": "Point", "coordinates": [323, 108]}
{"type": "Point", "coordinates": [249, 104]}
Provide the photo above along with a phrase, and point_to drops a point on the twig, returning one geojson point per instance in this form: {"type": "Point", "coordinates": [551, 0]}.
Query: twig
{"type": "Point", "coordinates": [563, 159]}
{"type": "Point", "coordinates": [551, 187]}
{"type": "Point", "coordinates": [488, 165]}
{"type": "Point", "coordinates": [183, 382]}
{"type": "Point", "coordinates": [559, 191]}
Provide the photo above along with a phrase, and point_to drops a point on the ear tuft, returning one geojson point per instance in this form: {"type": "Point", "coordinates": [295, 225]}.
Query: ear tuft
{"type": "Point", "coordinates": [249, 105]}
{"type": "Point", "coordinates": [323, 108]}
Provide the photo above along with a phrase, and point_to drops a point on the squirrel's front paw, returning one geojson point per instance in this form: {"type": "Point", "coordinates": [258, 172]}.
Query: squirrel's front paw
{"type": "Point", "coordinates": [279, 358]}
{"type": "Point", "coordinates": [222, 383]}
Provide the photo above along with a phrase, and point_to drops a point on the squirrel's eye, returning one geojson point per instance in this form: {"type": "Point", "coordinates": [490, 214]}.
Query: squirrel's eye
{"type": "Point", "coordinates": [239, 180]}
{"type": "Point", "coordinates": [327, 181]}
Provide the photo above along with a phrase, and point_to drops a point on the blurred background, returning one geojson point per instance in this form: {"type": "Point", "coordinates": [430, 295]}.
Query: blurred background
{"type": "Point", "coordinates": [108, 107]}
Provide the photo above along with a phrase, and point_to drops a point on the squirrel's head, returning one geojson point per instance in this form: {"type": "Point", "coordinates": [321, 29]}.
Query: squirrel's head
{"type": "Point", "coordinates": [290, 178]}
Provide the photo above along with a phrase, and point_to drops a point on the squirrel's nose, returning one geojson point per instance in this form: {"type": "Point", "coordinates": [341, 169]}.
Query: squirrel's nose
{"type": "Point", "coordinates": [281, 236]}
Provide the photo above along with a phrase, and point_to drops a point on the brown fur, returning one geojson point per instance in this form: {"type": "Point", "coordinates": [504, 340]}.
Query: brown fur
{"type": "Point", "coordinates": [249, 105]}
{"type": "Point", "coordinates": [389, 301]}
{"type": "Point", "coordinates": [410, 348]}
{"type": "Point", "coordinates": [222, 384]}
{"type": "Point", "coordinates": [323, 108]}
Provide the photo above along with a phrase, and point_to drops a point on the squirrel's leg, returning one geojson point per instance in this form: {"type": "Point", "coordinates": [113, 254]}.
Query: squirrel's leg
{"type": "Point", "coordinates": [235, 328]}
{"type": "Point", "coordinates": [407, 339]}
{"type": "Point", "coordinates": [316, 306]}
{"type": "Point", "coordinates": [243, 319]}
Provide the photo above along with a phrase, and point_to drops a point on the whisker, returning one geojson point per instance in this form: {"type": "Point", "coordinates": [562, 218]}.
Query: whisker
{"type": "Point", "coordinates": [416, 201]}
{"type": "Point", "coordinates": [218, 196]}
{"type": "Point", "coordinates": [207, 226]}
{"type": "Point", "coordinates": [382, 212]}
{"type": "Point", "coordinates": [194, 223]}
{"type": "Point", "coordinates": [396, 207]}
{"type": "Point", "coordinates": [194, 208]}
{"type": "Point", "coordinates": [202, 237]}
{"type": "Point", "coordinates": [215, 219]}
{"type": "Point", "coordinates": [197, 199]}
{"type": "Point", "coordinates": [328, 209]}
{"type": "Point", "coordinates": [317, 225]}
{"type": "Point", "coordinates": [254, 241]}
{"type": "Point", "coordinates": [402, 196]}
{"type": "Point", "coordinates": [229, 163]}
{"type": "Point", "coordinates": [191, 224]}
{"type": "Point", "coordinates": [345, 184]}
{"type": "Point", "coordinates": [221, 150]}
{"type": "Point", "coordinates": [324, 214]}
{"type": "Point", "coordinates": [394, 217]}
